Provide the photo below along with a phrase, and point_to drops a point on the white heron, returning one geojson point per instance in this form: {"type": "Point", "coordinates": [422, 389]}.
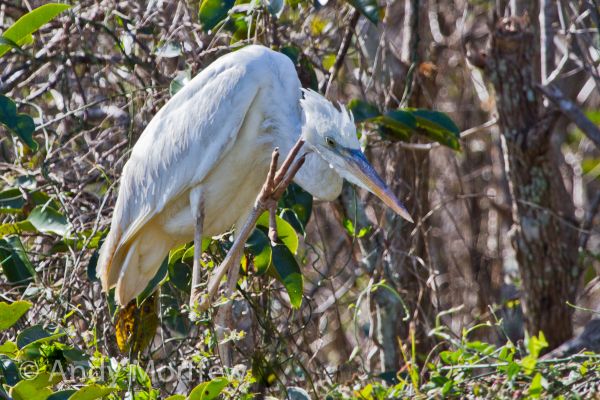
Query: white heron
{"type": "Point", "coordinates": [208, 151]}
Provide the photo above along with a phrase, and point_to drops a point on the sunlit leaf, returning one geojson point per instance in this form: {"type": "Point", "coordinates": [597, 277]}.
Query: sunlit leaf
{"type": "Point", "coordinates": [288, 272]}
{"type": "Point", "coordinates": [286, 233]}
{"type": "Point", "coordinates": [9, 348]}
{"type": "Point", "coordinates": [92, 392]}
{"type": "Point", "coordinates": [214, 11]}
{"type": "Point", "coordinates": [20, 32]}
{"type": "Point", "coordinates": [62, 394]}
{"type": "Point", "coordinates": [11, 313]}
{"type": "Point", "coordinates": [48, 220]}
{"type": "Point", "coordinates": [437, 126]}
{"type": "Point", "coordinates": [209, 390]}
{"type": "Point", "coordinates": [36, 388]}
{"type": "Point", "coordinates": [400, 123]}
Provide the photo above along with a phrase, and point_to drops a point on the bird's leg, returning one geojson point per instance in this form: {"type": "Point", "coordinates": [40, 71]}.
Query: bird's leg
{"type": "Point", "coordinates": [272, 190]}
{"type": "Point", "coordinates": [273, 223]}
{"type": "Point", "coordinates": [196, 276]}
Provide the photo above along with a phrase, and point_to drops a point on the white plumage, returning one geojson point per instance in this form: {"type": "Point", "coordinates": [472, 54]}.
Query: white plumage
{"type": "Point", "coordinates": [213, 141]}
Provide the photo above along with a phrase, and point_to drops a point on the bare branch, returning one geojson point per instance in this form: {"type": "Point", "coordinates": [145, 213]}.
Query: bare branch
{"type": "Point", "coordinates": [572, 111]}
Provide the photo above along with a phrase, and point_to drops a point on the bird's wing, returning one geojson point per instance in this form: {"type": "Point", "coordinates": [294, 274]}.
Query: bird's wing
{"type": "Point", "coordinates": [187, 137]}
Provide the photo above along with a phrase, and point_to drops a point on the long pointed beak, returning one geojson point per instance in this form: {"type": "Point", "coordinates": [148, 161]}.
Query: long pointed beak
{"type": "Point", "coordinates": [364, 175]}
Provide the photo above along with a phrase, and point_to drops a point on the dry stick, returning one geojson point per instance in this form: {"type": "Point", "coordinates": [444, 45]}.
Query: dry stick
{"type": "Point", "coordinates": [341, 55]}
{"type": "Point", "coordinates": [270, 193]}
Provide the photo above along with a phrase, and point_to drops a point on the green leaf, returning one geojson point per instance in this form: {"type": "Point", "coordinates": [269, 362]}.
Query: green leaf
{"type": "Point", "coordinates": [62, 394]}
{"type": "Point", "coordinates": [259, 246]}
{"type": "Point", "coordinates": [9, 372]}
{"type": "Point", "coordinates": [362, 110]}
{"type": "Point", "coordinates": [398, 124]}
{"type": "Point", "coordinates": [160, 275]}
{"type": "Point", "coordinates": [36, 388]}
{"type": "Point", "coordinates": [47, 220]}
{"type": "Point", "coordinates": [15, 264]}
{"type": "Point", "coordinates": [20, 32]}
{"type": "Point", "coordinates": [214, 11]}
{"type": "Point", "coordinates": [286, 233]}
{"type": "Point", "coordinates": [21, 125]}
{"type": "Point", "coordinates": [288, 272]}
{"type": "Point", "coordinates": [300, 201]}
{"type": "Point", "coordinates": [92, 392]}
{"type": "Point", "coordinates": [11, 313]}
{"type": "Point", "coordinates": [180, 275]}
{"type": "Point", "coordinates": [368, 8]}
{"type": "Point", "coordinates": [34, 335]}
{"type": "Point", "coordinates": [176, 397]}
{"type": "Point", "coordinates": [437, 126]}
{"type": "Point", "coordinates": [9, 349]}
{"type": "Point", "coordinates": [535, 388]}
{"type": "Point", "coordinates": [179, 82]}
{"type": "Point", "coordinates": [209, 390]}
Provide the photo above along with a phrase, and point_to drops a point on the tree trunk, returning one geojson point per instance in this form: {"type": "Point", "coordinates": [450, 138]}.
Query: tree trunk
{"type": "Point", "coordinates": [543, 233]}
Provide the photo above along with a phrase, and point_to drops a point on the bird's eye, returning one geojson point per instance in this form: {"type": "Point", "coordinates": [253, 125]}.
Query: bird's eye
{"type": "Point", "coordinates": [330, 142]}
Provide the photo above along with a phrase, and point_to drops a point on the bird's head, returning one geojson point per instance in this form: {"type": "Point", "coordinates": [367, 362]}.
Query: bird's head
{"type": "Point", "coordinates": [331, 133]}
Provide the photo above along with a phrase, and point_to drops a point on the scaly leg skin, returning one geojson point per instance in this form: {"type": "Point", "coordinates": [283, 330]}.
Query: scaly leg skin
{"type": "Point", "coordinates": [196, 275]}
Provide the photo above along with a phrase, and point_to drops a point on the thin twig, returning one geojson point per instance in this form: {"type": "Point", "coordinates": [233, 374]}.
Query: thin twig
{"type": "Point", "coordinates": [341, 55]}
{"type": "Point", "coordinates": [571, 111]}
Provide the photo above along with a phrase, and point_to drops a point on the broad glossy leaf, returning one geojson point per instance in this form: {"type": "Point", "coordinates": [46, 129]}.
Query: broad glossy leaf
{"type": "Point", "coordinates": [300, 201]}
{"type": "Point", "coordinates": [286, 233]}
{"type": "Point", "coordinates": [176, 397]}
{"type": "Point", "coordinates": [36, 388]}
{"type": "Point", "coordinates": [292, 218]}
{"type": "Point", "coordinates": [260, 246]}
{"type": "Point", "coordinates": [209, 390]}
{"type": "Point", "coordinates": [362, 110]}
{"type": "Point", "coordinates": [180, 275]}
{"type": "Point", "coordinates": [20, 32]}
{"type": "Point", "coordinates": [62, 395]}
{"type": "Point", "coordinates": [21, 125]}
{"type": "Point", "coordinates": [15, 264]}
{"type": "Point", "coordinates": [9, 371]}
{"type": "Point", "coordinates": [368, 8]}
{"type": "Point", "coordinates": [437, 126]}
{"type": "Point", "coordinates": [35, 334]}
{"type": "Point", "coordinates": [9, 348]}
{"type": "Point", "coordinates": [214, 11]}
{"type": "Point", "coordinates": [397, 123]}
{"type": "Point", "coordinates": [288, 273]}
{"type": "Point", "coordinates": [11, 313]}
{"type": "Point", "coordinates": [48, 220]}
